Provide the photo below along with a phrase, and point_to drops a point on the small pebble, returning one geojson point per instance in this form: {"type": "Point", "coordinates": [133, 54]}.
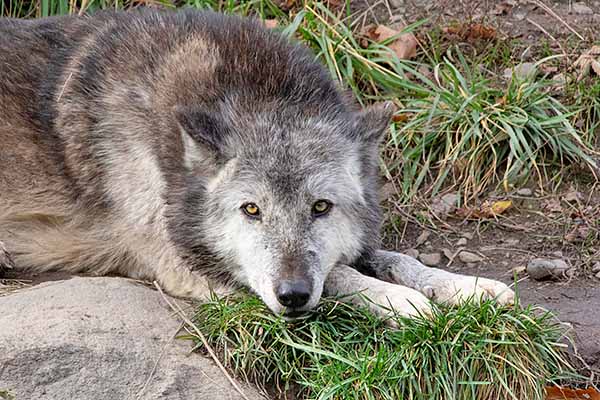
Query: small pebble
{"type": "Point", "coordinates": [596, 267]}
{"type": "Point", "coordinates": [540, 269]}
{"type": "Point", "coordinates": [461, 242]}
{"type": "Point", "coordinates": [414, 253]}
{"type": "Point", "coordinates": [431, 259]}
{"type": "Point", "coordinates": [598, 275]}
{"type": "Point", "coordinates": [582, 8]}
{"type": "Point", "coordinates": [525, 192]}
{"type": "Point", "coordinates": [468, 235]}
{"type": "Point", "coordinates": [468, 257]}
{"type": "Point", "coordinates": [557, 254]}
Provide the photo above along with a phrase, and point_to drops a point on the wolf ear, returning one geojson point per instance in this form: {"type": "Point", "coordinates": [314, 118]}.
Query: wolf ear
{"type": "Point", "coordinates": [203, 136]}
{"type": "Point", "coordinates": [371, 123]}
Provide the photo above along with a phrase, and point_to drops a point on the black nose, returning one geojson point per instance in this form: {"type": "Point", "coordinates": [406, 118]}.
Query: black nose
{"type": "Point", "coordinates": [293, 294]}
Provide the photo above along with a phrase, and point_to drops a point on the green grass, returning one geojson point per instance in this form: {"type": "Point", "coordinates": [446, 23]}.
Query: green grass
{"type": "Point", "coordinates": [6, 395]}
{"type": "Point", "coordinates": [340, 351]}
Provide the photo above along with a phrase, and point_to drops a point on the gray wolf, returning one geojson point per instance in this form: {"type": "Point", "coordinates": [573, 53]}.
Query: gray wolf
{"type": "Point", "coordinates": [198, 150]}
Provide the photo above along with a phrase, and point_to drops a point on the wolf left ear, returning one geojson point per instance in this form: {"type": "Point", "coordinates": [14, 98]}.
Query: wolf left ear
{"type": "Point", "coordinates": [203, 136]}
{"type": "Point", "coordinates": [371, 123]}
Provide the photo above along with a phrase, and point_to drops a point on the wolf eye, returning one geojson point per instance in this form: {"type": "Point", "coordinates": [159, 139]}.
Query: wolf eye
{"type": "Point", "coordinates": [251, 210]}
{"type": "Point", "coordinates": [321, 207]}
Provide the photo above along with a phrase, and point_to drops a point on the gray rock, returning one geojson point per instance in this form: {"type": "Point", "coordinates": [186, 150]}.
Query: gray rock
{"type": "Point", "coordinates": [598, 275]}
{"type": "Point", "coordinates": [431, 259]}
{"type": "Point", "coordinates": [540, 269]}
{"type": "Point", "coordinates": [461, 242]}
{"type": "Point", "coordinates": [101, 338]}
{"type": "Point", "coordinates": [414, 253]}
{"type": "Point", "coordinates": [468, 257]}
{"type": "Point", "coordinates": [582, 8]}
{"type": "Point", "coordinates": [596, 267]}
{"type": "Point", "coordinates": [525, 192]}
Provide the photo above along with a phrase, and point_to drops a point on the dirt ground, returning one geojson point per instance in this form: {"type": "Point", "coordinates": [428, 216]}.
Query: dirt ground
{"type": "Point", "coordinates": [547, 224]}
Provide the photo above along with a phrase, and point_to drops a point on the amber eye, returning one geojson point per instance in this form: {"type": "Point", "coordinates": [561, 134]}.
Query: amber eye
{"type": "Point", "coordinates": [321, 207]}
{"type": "Point", "coordinates": [251, 210]}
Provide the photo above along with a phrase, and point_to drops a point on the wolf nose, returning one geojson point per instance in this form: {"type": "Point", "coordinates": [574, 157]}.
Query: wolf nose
{"type": "Point", "coordinates": [293, 294]}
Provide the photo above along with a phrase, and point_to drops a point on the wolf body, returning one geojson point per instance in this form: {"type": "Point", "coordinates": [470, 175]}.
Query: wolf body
{"type": "Point", "coordinates": [197, 150]}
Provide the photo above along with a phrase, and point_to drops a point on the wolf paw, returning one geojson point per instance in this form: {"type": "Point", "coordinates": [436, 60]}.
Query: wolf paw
{"type": "Point", "coordinates": [387, 299]}
{"type": "Point", "coordinates": [454, 288]}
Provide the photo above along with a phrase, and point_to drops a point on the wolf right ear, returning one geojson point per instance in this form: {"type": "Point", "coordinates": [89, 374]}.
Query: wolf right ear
{"type": "Point", "coordinates": [203, 136]}
{"type": "Point", "coordinates": [371, 123]}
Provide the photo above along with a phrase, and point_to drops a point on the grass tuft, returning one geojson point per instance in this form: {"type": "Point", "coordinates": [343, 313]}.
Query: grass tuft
{"type": "Point", "coordinates": [340, 351]}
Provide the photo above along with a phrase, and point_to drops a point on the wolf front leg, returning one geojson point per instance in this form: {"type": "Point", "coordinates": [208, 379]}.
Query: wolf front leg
{"type": "Point", "coordinates": [182, 282]}
{"type": "Point", "coordinates": [437, 284]}
{"type": "Point", "coordinates": [383, 298]}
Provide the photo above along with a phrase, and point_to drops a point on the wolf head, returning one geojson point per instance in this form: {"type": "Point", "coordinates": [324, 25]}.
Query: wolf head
{"type": "Point", "coordinates": [286, 198]}
{"type": "Point", "coordinates": [282, 169]}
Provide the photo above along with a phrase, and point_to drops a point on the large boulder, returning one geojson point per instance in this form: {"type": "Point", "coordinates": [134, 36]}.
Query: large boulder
{"type": "Point", "coordinates": [101, 338]}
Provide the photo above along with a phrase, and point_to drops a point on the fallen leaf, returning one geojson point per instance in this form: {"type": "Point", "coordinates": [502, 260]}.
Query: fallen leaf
{"type": "Point", "coordinates": [578, 234]}
{"type": "Point", "coordinates": [552, 205]}
{"type": "Point", "coordinates": [485, 210]}
{"type": "Point", "coordinates": [561, 393]}
{"type": "Point", "coordinates": [285, 5]}
{"type": "Point", "coordinates": [572, 196]}
{"type": "Point", "coordinates": [422, 238]}
{"type": "Point", "coordinates": [504, 7]}
{"type": "Point", "coordinates": [596, 67]}
{"type": "Point", "coordinates": [500, 206]}
{"type": "Point", "coordinates": [472, 32]}
{"type": "Point", "coordinates": [589, 61]}
{"type": "Point", "coordinates": [404, 45]}
{"type": "Point", "coordinates": [400, 117]}
{"type": "Point", "coordinates": [271, 23]}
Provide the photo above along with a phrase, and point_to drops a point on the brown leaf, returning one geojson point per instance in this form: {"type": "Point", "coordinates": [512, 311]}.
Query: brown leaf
{"type": "Point", "coordinates": [503, 7]}
{"type": "Point", "coordinates": [552, 205]}
{"type": "Point", "coordinates": [472, 32]}
{"type": "Point", "coordinates": [404, 45]}
{"type": "Point", "coordinates": [562, 393]}
{"type": "Point", "coordinates": [587, 62]}
{"type": "Point", "coordinates": [596, 67]}
{"type": "Point", "coordinates": [271, 23]}
{"type": "Point", "coordinates": [487, 210]}
{"type": "Point", "coordinates": [500, 206]}
{"type": "Point", "coordinates": [400, 117]}
{"type": "Point", "coordinates": [572, 196]}
{"type": "Point", "coordinates": [578, 234]}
